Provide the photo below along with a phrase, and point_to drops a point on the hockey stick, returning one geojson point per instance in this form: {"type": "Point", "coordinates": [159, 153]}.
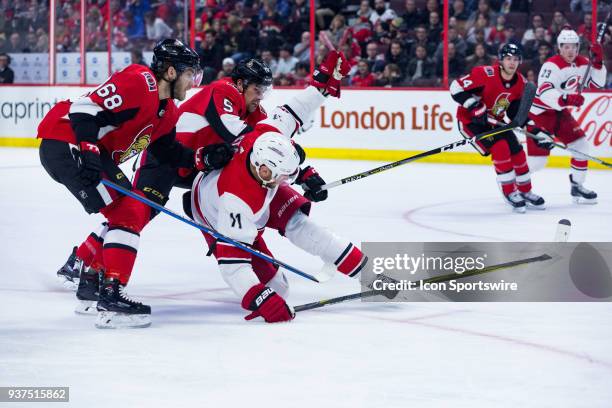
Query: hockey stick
{"type": "Point", "coordinates": [435, 279]}
{"type": "Point", "coordinates": [561, 146]}
{"type": "Point", "coordinates": [208, 230]}
{"type": "Point", "coordinates": [600, 35]}
{"type": "Point", "coordinates": [519, 119]}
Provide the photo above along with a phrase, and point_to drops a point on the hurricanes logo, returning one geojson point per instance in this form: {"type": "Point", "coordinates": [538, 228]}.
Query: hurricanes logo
{"type": "Point", "coordinates": [501, 104]}
{"type": "Point", "coordinates": [571, 83]}
{"type": "Point", "coordinates": [141, 141]}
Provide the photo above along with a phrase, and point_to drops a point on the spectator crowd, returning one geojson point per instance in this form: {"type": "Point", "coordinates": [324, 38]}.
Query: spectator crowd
{"type": "Point", "coordinates": [389, 44]}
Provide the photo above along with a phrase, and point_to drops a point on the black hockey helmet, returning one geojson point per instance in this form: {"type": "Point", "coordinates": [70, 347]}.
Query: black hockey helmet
{"type": "Point", "coordinates": [253, 71]}
{"type": "Point", "coordinates": [172, 52]}
{"type": "Point", "coordinates": [510, 49]}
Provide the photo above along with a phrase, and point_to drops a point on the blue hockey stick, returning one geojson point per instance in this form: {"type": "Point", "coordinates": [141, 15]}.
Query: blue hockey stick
{"type": "Point", "coordinates": [208, 230]}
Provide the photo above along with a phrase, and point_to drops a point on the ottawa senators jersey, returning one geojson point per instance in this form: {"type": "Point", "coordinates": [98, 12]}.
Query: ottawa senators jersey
{"type": "Point", "coordinates": [122, 116]}
{"type": "Point", "coordinates": [231, 200]}
{"type": "Point", "coordinates": [216, 114]}
{"type": "Point", "coordinates": [486, 83]}
{"type": "Point", "coordinates": [558, 78]}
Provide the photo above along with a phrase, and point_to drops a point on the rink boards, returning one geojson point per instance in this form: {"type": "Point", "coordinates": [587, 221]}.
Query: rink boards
{"type": "Point", "coordinates": [362, 125]}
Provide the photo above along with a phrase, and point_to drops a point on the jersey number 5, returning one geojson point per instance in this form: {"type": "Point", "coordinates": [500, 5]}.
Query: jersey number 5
{"type": "Point", "coordinates": [111, 99]}
{"type": "Point", "coordinates": [236, 220]}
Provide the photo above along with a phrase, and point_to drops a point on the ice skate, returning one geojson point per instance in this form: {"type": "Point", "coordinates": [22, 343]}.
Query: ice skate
{"type": "Point", "coordinates": [68, 274]}
{"type": "Point", "coordinates": [88, 291]}
{"type": "Point", "coordinates": [533, 200]}
{"type": "Point", "coordinates": [116, 310]}
{"type": "Point", "coordinates": [582, 195]}
{"type": "Point", "coordinates": [516, 201]}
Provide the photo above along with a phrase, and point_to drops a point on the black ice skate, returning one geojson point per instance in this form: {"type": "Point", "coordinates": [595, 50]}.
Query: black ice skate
{"type": "Point", "coordinates": [582, 195]}
{"type": "Point", "coordinates": [116, 310]}
{"type": "Point", "coordinates": [533, 200]}
{"type": "Point", "coordinates": [69, 273]}
{"type": "Point", "coordinates": [516, 201]}
{"type": "Point", "coordinates": [88, 291]}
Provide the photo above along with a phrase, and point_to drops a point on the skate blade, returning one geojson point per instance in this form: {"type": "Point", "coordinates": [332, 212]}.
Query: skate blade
{"type": "Point", "coordinates": [519, 210]}
{"type": "Point", "coordinates": [114, 320]}
{"type": "Point", "coordinates": [536, 207]}
{"type": "Point", "coordinates": [582, 200]}
{"type": "Point", "coordinates": [86, 307]}
{"type": "Point", "coordinates": [67, 283]}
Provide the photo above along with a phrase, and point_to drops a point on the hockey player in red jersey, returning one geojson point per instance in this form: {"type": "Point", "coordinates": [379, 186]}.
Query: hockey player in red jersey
{"type": "Point", "coordinates": [238, 201]}
{"type": "Point", "coordinates": [549, 116]}
{"type": "Point", "coordinates": [485, 96]}
{"type": "Point", "coordinates": [84, 141]}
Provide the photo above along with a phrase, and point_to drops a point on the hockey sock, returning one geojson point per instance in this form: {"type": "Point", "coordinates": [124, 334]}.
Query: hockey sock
{"type": "Point", "coordinates": [319, 241]}
{"type": "Point", "coordinates": [120, 249]}
{"type": "Point", "coordinates": [579, 165]}
{"type": "Point", "coordinates": [90, 250]}
{"type": "Point", "coordinates": [500, 153]}
{"type": "Point", "coordinates": [521, 169]}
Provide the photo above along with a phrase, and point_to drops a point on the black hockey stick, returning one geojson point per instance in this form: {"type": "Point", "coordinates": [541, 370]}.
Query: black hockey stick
{"type": "Point", "coordinates": [600, 35]}
{"type": "Point", "coordinates": [519, 119]}
{"type": "Point", "coordinates": [208, 230]}
{"type": "Point", "coordinates": [562, 146]}
{"type": "Point", "coordinates": [435, 279]}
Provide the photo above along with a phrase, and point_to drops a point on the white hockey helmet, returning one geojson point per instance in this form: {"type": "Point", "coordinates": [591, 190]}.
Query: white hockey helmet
{"type": "Point", "coordinates": [568, 36]}
{"type": "Point", "coordinates": [277, 153]}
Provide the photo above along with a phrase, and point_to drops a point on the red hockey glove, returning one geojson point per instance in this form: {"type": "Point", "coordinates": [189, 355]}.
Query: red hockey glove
{"type": "Point", "coordinates": [597, 55]}
{"type": "Point", "coordinates": [265, 302]}
{"type": "Point", "coordinates": [571, 100]}
{"type": "Point", "coordinates": [311, 182]}
{"type": "Point", "coordinates": [329, 74]}
{"type": "Point", "coordinates": [89, 164]}
{"type": "Point", "coordinates": [213, 157]}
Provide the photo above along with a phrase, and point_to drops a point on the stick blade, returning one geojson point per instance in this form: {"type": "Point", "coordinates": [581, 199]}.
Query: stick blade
{"type": "Point", "coordinates": [526, 101]}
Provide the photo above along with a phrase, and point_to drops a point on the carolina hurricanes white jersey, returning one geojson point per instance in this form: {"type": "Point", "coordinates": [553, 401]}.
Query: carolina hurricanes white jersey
{"type": "Point", "coordinates": [231, 200]}
{"type": "Point", "coordinates": [558, 77]}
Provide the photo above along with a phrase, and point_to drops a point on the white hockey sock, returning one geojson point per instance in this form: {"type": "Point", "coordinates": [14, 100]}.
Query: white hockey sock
{"type": "Point", "coordinates": [579, 164]}
{"type": "Point", "coordinates": [314, 239]}
{"type": "Point", "coordinates": [536, 163]}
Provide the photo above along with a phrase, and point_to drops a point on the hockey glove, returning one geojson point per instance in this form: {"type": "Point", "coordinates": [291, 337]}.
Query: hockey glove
{"type": "Point", "coordinates": [328, 75]}
{"type": "Point", "coordinates": [543, 139]}
{"type": "Point", "coordinates": [571, 100]}
{"type": "Point", "coordinates": [89, 164]}
{"type": "Point", "coordinates": [597, 55]}
{"type": "Point", "coordinates": [478, 112]}
{"type": "Point", "coordinates": [213, 157]}
{"type": "Point", "coordinates": [300, 152]}
{"type": "Point", "coordinates": [265, 302]}
{"type": "Point", "coordinates": [311, 182]}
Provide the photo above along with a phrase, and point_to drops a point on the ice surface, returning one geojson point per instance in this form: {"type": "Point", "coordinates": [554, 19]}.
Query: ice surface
{"type": "Point", "coordinates": [200, 352]}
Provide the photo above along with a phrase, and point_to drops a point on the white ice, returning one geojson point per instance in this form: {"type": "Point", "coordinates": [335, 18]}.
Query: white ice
{"type": "Point", "coordinates": [200, 352]}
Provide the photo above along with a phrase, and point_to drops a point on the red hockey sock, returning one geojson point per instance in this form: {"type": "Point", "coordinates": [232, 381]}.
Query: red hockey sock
{"type": "Point", "coordinates": [500, 154]}
{"type": "Point", "coordinates": [120, 249]}
{"type": "Point", "coordinates": [90, 251]}
{"type": "Point", "coordinates": [351, 261]}
{"type": "Point", "coordinates": [521, 169]}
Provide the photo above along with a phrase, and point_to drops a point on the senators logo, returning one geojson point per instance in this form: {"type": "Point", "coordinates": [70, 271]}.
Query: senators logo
{"type": "Point", "coordinates": [141, 141]}
{"type": "Point", "coordinates": [501, 104]}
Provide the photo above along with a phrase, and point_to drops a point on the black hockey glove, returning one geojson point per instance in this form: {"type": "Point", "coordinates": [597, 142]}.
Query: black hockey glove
{"type": "Point", "coordinates": [311, 182]}
{"type": "Point", "coordinates": [300, 152]}
{"type": "Point", "coordinates": [213, 157]}
{"type": "Point", "coordinates": [478, 111]}
{"type": "Point", "coordinates": [544, 140]}
{"type": "Point", "coordinates": [89, 163]}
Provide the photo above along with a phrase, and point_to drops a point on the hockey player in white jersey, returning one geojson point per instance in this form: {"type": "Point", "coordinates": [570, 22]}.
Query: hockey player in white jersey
{"type": "Point", "coordinates": [236, 201]}
{"type": "Point", "coordinates": [558, 91]}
